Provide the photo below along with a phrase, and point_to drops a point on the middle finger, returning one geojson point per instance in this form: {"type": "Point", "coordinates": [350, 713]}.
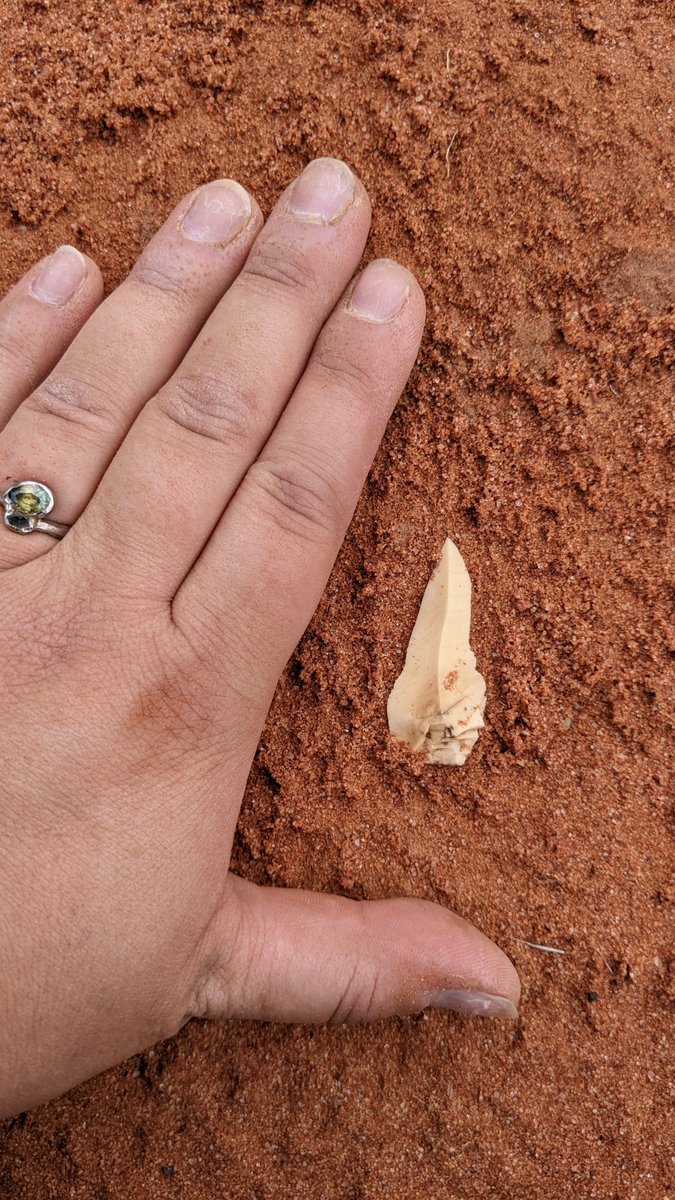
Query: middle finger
{"type": "Point", "coordinates": [193, 443]}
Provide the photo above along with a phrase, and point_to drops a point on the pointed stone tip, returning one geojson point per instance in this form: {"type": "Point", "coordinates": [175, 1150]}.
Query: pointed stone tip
{"type": "Point", "coordinates": [439, 678]}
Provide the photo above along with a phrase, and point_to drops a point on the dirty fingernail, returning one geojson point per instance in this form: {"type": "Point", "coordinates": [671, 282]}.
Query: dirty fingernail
{"type": "Point", "coordinates": [323, 192]}
{"type": "Point", "coordinates": [380, 292]}
{"type": "Point", "coordinates": [219, 211]}
{"type": "Point", "coordinates": [60, 277]}
{"type": "Point", "coordinates": [473, 1004]}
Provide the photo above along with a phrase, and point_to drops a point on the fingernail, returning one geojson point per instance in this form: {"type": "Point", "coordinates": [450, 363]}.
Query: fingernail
{"type": "Point", "coordinates": [60, 277]}
{"type": "Point", "coordinates": [473, 1004]}
{"type": "Point", "coordinates": [323, 192]}
{"type": "Point", "coordinates": [219, 211]}
{"type": "Point", "coordinates": [380, 292]}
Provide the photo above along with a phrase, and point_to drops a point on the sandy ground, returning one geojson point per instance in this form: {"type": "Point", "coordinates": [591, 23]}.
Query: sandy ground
{"type": "Point", "coordinates": [519, 155]}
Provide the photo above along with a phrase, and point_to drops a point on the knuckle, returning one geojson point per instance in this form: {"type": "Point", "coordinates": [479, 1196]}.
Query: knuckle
{"type": "Point", "coordinates": [357, 1001]}
{"type": "Point", "coordinates": [359, 996]}
{"type": "Point", "coordinates": [75, 400]}
{"type": "Point", "coordinates": [341, 373]}
{"type": "Point", "coordinates": [219, 407]}
{"type": "Point", "coordinates": [156, 278]}
{"type": "Point", "coordinates": [231, 967]}
{"type": "Point", "coordinates": [280, 269]}
{"type": "Point", "coordinates": [16, 352]}
{"type": "Point", "coordinates": [299, 497]}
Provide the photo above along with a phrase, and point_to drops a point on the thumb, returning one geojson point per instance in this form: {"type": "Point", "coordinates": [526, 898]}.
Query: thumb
{"type": "Point", "coordinates": [287, 955]}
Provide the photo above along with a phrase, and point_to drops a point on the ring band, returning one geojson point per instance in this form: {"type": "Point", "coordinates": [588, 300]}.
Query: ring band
{"type": "Point", "coordinates": [26, 507]}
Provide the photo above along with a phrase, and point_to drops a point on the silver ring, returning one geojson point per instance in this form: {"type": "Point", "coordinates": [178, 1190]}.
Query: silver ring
{"type": "Point", "coordinates": [26, 507]}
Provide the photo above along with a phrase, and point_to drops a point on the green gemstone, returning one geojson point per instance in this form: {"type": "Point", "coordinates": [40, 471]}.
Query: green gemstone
{"type": "Point", "coordinates": [28, 504]}
{"type": "Point", "coordinates": [30, 499]}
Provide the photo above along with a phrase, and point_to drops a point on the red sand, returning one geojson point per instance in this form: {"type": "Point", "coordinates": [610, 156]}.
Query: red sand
{"type": "Point", "coordinates": [533, 432]}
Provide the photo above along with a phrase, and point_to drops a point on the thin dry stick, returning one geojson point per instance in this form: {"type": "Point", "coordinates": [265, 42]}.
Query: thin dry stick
{"type": "Point", "coordinates": [447, 61]}
{"type": "Point", "coordinates": [538, 946]}
{"type": "Point", "coordinates": [447, 153]}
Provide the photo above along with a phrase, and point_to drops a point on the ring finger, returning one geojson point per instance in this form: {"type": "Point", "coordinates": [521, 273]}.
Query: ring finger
{"type": "Point", "coordinates": [66, 432]}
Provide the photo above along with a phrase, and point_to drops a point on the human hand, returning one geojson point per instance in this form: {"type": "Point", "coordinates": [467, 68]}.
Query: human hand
{"type": "Point", "coordinates": [206, 430]}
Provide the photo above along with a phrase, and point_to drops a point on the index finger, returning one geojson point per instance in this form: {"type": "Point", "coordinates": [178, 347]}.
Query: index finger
{"type": "Point", "coordinates": [269, 560]}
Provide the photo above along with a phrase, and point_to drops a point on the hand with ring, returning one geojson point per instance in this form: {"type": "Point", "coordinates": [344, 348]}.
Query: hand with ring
{"type": "Point", "coordinates": [178, 466]}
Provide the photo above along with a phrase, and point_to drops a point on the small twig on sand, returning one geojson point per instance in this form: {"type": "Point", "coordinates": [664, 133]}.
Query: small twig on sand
{"type": "Point", "coordinates": [538, 946]}
{"type": "Point", "coordinates": [447, 61]}
{"type": "Point", "coordinates": [447, 153]}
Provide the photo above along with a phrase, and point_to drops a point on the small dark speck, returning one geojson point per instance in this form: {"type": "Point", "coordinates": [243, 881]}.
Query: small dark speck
{"type": "Point", "coordinates": [592, 996]}
{"type": "Point", "coordinates": [168, 1171]}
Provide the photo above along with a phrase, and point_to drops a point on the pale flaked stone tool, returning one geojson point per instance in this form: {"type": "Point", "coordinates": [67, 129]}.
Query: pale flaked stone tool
{"type": "Point", "coordinates": [437, 702]}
